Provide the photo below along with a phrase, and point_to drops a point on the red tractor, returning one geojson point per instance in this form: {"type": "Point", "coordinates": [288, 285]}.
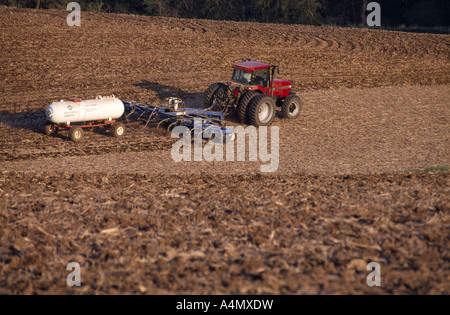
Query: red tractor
{"type": "Point", "coordinates": [254, 94]}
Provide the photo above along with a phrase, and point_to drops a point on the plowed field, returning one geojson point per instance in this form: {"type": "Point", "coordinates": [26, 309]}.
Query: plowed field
{"type": "Point", "coordinates": [376, 103]}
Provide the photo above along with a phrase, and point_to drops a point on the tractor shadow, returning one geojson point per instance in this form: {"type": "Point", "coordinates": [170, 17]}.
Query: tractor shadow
{"type": "Point", "coordinates": [29, 121]}
{"type": "Point", "coordinates": [193, 100]}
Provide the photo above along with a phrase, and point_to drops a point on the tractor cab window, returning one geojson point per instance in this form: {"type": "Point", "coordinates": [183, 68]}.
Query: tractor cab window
{"type": "Point", "coordinates": [241, 76]}
{"type": "Point", "coordinates": [261, 77]}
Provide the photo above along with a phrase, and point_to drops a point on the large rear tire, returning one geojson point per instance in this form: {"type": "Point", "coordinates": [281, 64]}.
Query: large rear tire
{"type": "Point", "coordinates": [292, 107]}
{"type": "Point", "coordinates": [242, 109]}
{"type": "Point", "coordinates": [261, 111]}
{"type": "Point", "coordinates": [210, 93]}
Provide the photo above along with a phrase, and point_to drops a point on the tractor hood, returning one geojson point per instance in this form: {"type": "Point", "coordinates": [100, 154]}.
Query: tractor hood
{"type": "Point", "coordinates": [277, 84]}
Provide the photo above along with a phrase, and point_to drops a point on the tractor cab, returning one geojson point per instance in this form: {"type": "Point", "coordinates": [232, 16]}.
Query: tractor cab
{"type": "Point", "coordinates": [252, 73]}
{"type": "Point", "coordinates": [257, 76]}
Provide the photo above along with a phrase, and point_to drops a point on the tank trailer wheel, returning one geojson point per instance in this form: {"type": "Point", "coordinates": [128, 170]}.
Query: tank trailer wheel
{"type": "Point", "coordinates": [261, 111]}
{"type": "Point", "coordinates": [118, 130]}
{"type": "Point", "coordinates": [292, 107]}
{"type": "Point", "coordinates": [76, 134]}
{"type": "Point", "coordinates": [48, 130]}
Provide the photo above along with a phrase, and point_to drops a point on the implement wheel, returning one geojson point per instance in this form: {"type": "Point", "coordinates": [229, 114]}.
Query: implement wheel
{"type": "Point", "coordinates": [118, 130]}
{"type": "Point", "coordinates": [48, 130]}
{"type": "Point", "coordinates": [76, 134]}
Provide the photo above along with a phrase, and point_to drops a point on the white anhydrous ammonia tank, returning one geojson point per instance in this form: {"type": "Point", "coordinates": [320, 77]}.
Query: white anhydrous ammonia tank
{"type": "Point", "coordinates": [76, 110]}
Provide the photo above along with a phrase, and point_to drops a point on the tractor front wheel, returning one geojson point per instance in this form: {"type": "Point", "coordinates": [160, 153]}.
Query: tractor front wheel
{"type": "Point", "coordinates": [261, 111]}
{"type": "Point", "coordinates": [292, 107]}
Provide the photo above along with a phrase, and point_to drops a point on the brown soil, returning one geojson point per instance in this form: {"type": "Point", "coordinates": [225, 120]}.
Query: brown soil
{"type": "Point", "coordinates": [375, 105]}
{"type": "Point", "coordinates": [254, 235]}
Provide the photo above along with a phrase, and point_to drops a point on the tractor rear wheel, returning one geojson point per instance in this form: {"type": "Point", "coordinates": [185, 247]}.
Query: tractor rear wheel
{"type": "Point", "coordinates": [261, 111]}
{"type": "Point", "coordinates": [211, 93]}
{"type": "Point", "coordinates": [292, 107]}
{"type": "Point", "coordinates": [75, 134]}
{"type": "Point", "coordinates": [223, 100]}
{"type": "Point", "coordinates": [242, 109]}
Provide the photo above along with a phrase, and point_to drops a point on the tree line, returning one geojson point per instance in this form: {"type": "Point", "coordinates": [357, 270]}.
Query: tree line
{"type": "Point", "coordinates": [330, 12]}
